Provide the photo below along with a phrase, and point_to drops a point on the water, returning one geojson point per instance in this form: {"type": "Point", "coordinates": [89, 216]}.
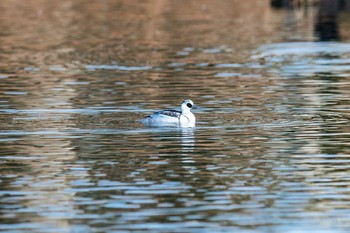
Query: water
{"type": "Point", "coordinates": [269, 152]}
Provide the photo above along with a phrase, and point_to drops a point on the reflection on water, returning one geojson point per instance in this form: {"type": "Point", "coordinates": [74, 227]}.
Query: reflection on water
{"type": "Point", "coordinates": [269, 152]}
{"type": "Point", "coordinates": [322, 58]}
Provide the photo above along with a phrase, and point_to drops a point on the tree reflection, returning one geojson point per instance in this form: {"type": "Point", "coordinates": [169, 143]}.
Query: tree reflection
{"type": "Point", "coordinates": [326, 22]}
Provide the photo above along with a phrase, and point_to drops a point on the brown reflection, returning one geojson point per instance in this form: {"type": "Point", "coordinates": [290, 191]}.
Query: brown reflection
{"type": "Point", "coordinates": [100, 32]}
{"type": "Point", "coordinates": [34, 175]}
{"type": "Point", "coordinates": [71, 34]}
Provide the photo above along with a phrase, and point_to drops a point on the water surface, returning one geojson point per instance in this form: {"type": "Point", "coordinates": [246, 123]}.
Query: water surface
{"type": "Point", "coordinates": [269, 152]}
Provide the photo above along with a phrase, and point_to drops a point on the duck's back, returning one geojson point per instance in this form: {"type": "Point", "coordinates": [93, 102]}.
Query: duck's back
{"type": "Point", "coordinates": [164, 116]}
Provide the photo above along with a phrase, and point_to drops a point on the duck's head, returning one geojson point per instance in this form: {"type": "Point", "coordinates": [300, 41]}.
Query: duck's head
{"type": "Point", "coordinates": [187, 105]}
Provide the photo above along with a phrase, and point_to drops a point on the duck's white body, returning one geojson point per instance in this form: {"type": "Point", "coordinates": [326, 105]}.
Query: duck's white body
{"type": "Point", "coordinates": [183, 118]}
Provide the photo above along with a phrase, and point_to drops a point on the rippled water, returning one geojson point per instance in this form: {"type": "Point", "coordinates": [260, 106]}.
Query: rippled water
{"type": "Point", "coordinates": [270, 152]}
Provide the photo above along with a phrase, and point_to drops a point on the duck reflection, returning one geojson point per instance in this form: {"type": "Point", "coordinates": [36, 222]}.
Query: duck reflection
{"type": "Point", "coordinates": [182, 138]}
{"type": "Point", "coordinates": [187, 139]}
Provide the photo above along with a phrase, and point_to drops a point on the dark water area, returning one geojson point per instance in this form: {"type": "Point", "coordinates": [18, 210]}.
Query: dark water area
{"type": "Point", "coordinates": [270, 150]}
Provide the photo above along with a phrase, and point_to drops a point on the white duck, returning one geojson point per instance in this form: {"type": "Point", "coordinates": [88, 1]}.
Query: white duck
{"type": "Point", "coordinates": [183, 118]}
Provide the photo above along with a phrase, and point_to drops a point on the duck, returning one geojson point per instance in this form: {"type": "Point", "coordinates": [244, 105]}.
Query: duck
{"type": "Point", "coordinates": [183, 118]}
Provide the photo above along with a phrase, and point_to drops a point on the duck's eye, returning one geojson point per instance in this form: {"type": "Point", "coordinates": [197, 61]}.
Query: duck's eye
{"type": "Point", "coordinates": [189, 105]}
